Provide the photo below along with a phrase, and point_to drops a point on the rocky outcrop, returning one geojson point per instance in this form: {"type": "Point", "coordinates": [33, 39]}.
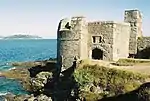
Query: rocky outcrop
{"type": "Point", "coordinates": [97, 82]}
{"type": "Point", "coordinates": [140, 94]}
{"type": "Point", "coordinates": [41, 79]}
{"type": "Point", "coordinates": [84, 82]}
{"type": "Point", "coordinates": [11, 97]}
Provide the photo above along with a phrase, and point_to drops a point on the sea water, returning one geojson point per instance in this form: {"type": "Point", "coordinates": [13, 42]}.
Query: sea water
{"type": "Point", "coordinates": [22, 51]}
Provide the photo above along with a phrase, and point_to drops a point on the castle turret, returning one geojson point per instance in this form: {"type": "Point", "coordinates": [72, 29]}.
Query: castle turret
{"type": "Point", "coordinates": [72, 37]}
{"type": "Point", "coordinates": [135, 19]}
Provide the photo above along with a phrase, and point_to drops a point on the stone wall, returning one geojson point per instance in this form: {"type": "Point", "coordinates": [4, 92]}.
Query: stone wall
{"type": "Point", "coordinates": [104, 30]}
{"type": "Point", "coordinates": [84, 38]}
{"type": "Point", "coordinates": [121, 34]}
{"type": "Point", "coordinates": [70, 35]}
{"type": "Point", "coordinates": [135, 19]}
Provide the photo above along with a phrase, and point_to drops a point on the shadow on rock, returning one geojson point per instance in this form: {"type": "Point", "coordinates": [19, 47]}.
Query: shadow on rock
{"type": "Point", "coordinates": [143, 54]}
{"type": "Point", "coordinates": [45, 80]}
{"type": "Point", "coordinates": [65, 89]}
{"type": "Point", "coordinates": [48, 66]}
{"type": "Point", "coordinates": [140, 94]}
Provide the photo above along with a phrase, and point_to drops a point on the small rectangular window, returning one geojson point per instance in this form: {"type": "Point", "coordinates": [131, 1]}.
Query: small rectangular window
{"type": "Point", "coordinates": [135, 24]}
{"type": "Point", "coordinates": [100, 39]}
{"type": "Point", "coordinates": [94, 39]}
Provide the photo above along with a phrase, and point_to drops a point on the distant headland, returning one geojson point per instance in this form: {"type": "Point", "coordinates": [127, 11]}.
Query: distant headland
{"type": "Point", "coordinates": [20, 36]}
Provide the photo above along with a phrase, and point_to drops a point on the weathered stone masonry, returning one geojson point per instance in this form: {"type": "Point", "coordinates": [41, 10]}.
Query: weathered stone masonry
{"type": "Point", "coordinates": [106, 40]}
{"type": "Point", "coordinates": [71, 42]}
{"type": "Point", "coordinates": [121, 33]}
{"type": "Point", "coordinates": [135, 19]}
{"type": "Point", "coordinates": [103, 30]}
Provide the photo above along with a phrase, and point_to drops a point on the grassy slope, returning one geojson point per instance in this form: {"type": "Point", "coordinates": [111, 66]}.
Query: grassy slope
{"type": "Point", "coordinates": [96, 81]}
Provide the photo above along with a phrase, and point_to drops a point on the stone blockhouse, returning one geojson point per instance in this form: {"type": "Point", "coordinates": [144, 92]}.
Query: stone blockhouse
{"type": "Point", "coordinates": [107, 39]}
{"type": "Point", "coordinates": [103, 40]}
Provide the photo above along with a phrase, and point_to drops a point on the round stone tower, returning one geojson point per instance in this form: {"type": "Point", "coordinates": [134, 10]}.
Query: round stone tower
{"type": "Point", "coordinates": [72, 37]}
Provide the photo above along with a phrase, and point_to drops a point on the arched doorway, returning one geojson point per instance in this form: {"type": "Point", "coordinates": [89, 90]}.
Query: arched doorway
{"type": "Point", "coordinates": [97, 54]}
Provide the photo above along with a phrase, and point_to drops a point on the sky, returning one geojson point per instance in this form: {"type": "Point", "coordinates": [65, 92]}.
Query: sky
{"type": "Point", "coordinates": [41, 17]}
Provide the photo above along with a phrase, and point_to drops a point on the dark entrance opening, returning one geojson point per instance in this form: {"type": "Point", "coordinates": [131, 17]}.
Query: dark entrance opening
{"type": "Point", "coordinates": [131, 56]}
{"type": "Point", "coordinates": [97, 54]}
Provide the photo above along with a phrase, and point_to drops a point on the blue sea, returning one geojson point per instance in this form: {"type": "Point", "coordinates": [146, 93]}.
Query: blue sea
{"type": "Point", "coordinates": [21, 51]}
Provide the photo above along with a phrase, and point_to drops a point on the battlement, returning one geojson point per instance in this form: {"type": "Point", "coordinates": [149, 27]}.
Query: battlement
{"type": "Point", "coordinates": [132, 15]}
{"type": "Point", "coordinates": [132, 10]}
{"type": "Point", "coordinates": [94, 23]}
{"type": "Point", "coordinates": [122, 23]}
{"type": "Point", "coordinates": [77, 17]}
{"type": "Point", "coordinates": [107, 22]}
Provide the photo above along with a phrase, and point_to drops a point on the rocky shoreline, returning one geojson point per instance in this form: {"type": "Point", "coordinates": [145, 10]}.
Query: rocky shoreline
{"type": "Point", "coordinates": [24, 72]}
{"type": "Point", "coordinates": [78, 83]}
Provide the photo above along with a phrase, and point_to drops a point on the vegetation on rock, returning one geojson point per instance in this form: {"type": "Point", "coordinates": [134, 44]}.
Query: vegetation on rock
{"type": "Point", "coordinates": [86, 82]}
{"type": "Point", "coordinates": [41, 79]}
{"type": "Point", "coordinates": [41, 97]}
{"type": "Point", "coordinates": [96, 82]}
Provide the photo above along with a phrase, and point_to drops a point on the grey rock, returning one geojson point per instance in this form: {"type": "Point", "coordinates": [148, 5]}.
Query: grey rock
{"type": "Point", "coordinates": [43, 98]}
{"type": "Point", "coordinates": [40, 80]}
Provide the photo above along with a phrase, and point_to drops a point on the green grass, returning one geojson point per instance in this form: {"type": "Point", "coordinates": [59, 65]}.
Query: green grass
{"type": "Point", "coordinates": [131, 62]}
{"type": "Point", "coordinates": [111, 81]}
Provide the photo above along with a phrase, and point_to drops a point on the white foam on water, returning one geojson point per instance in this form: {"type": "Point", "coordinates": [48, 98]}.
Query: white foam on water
{"type": "Point", "coordinates": [3, 93]}
{"type": "Point", "coordinates": [12, 68]}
